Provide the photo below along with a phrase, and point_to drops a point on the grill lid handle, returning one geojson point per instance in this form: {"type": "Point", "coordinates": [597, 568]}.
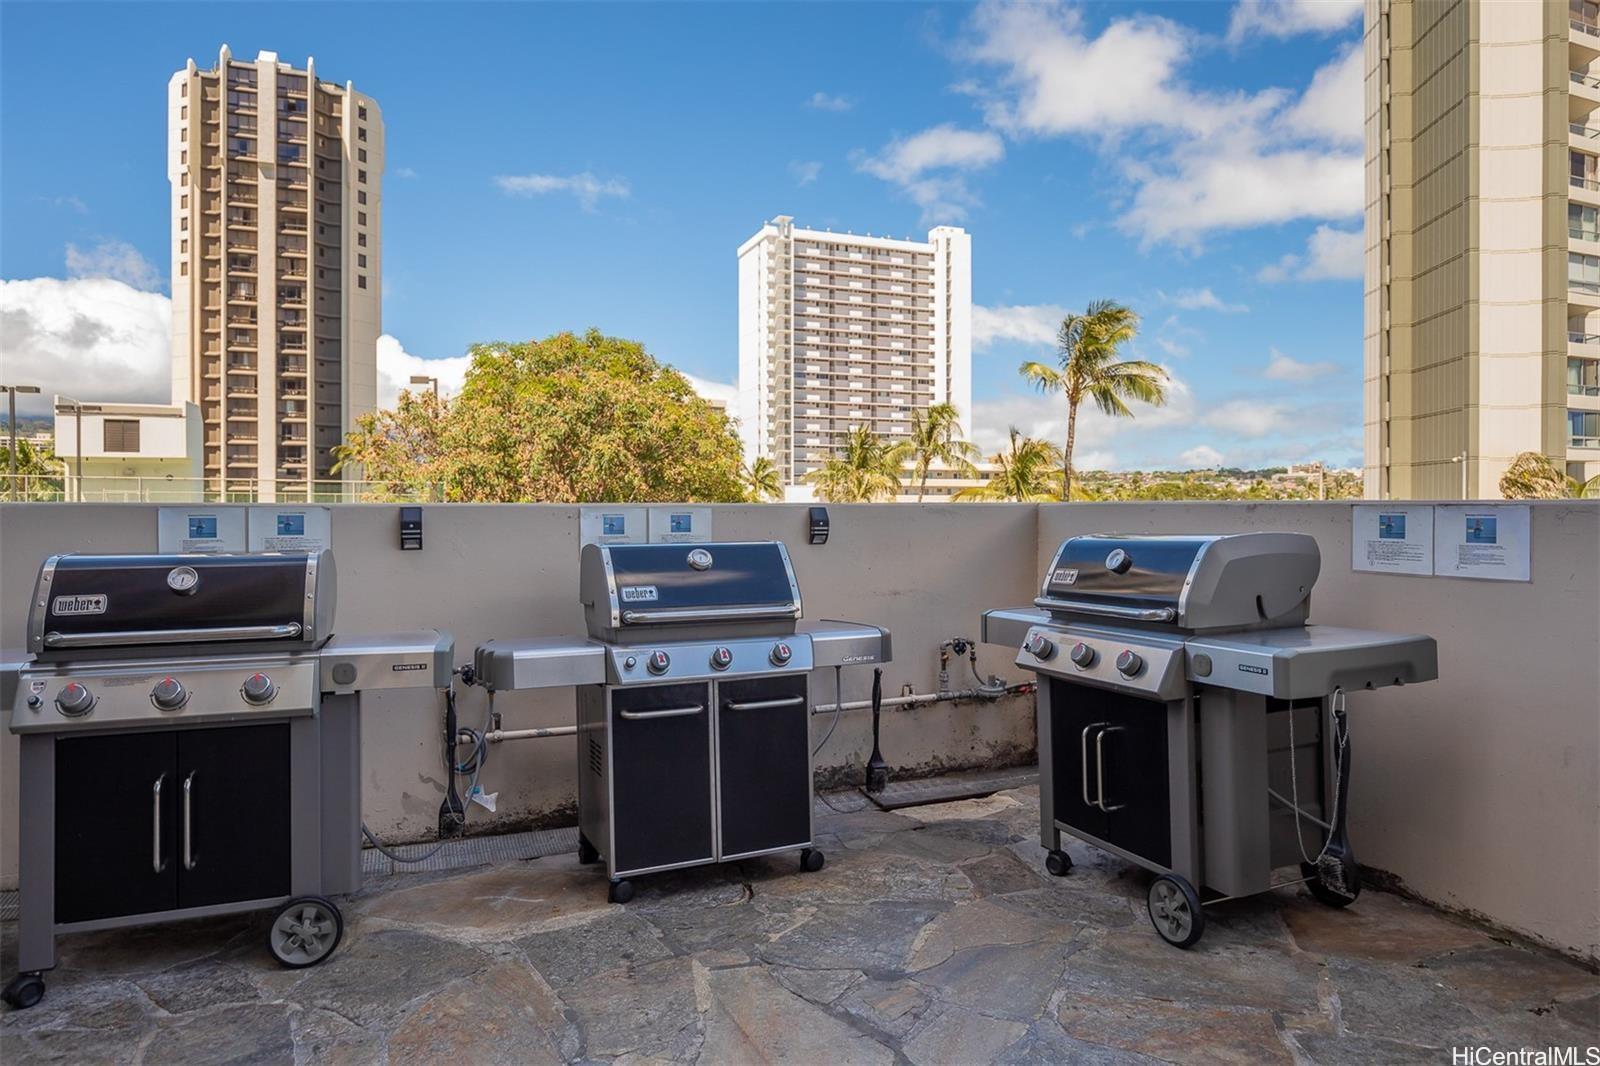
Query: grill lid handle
{"type": "Point", "coordinates": [1109, 610]}
{"type": "Point", "coordinates": [54, 639]}
{"type": "Point", "coordinates": [708, 614]}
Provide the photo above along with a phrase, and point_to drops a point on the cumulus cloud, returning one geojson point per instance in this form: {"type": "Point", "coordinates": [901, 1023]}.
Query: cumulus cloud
{"type": "Point", "coordinates": [1289, 18]}
{"type": "Point", "coordinates": [1331, 254]}
{"type": "Point", "coordinates": [95, 339]}
{"type": "Point", "coordinates": [821, 101]}
{"type": "Point", "coordinates": [805, 172]}
{"type": "Point", "coordinates": [1045, 415]}
{"type": "Point", "coordinates": [588, 189]}
{"type": "Point", "coordinates": [1281, 367]}
{"type": "Point", "coordinates": [723, 391]}
{"type": "Point", "coordinates": [930, 168]}
{"type": "Point", "coordinates": [1331, 104]}
{"type": "Point", "coordinates": [1028, 323]}
{"type": "Point", "coordinates": [1247, 417]}
{"type": "Point", "coordinates": [1201, 457]}
{"type": "Point", "coordinates": [117, 260]}
{"type": "Point", "coordinates": [1203, 300]}
{"type": "Point", "coordinates": [396, 367]}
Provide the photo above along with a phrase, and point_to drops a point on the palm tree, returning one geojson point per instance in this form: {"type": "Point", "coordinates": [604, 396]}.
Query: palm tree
{"type": "Point", "coordinates": [1533, 476]}
{"type": "Point", "coordinates": [761, 480]}
{"type": "Point", "coordinates": [1027, 473]}
{"type": "Point", "coordinates": [934, 439]}
{"type": "Point", "coordinates": [1086, 348]}
{"type": "Point", "coordinates": [867, 469]}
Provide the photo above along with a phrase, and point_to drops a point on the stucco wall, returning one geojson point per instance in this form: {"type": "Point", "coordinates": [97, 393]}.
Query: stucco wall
{"type": "Point", "coordinates": [1481, 790]}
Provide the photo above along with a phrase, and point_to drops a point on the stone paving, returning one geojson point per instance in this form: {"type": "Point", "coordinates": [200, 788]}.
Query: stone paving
{"type": "Point", "coordinates": [931, 936]}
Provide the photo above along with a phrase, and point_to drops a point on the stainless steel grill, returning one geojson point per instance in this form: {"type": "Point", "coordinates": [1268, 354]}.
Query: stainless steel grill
{"type": "Point", "coordinates": [694, 740]}
{"type": "Point", "coordinates": [190, 745]}
{"type": "Point", "coordinates": [1191, 720]}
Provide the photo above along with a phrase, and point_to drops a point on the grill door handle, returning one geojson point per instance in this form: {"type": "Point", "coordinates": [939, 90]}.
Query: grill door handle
{"type": "Point", "coordinates": [669, 712]}
{"type": "Point", "coordinates": [766, 705]}
{"type": "Point", "coordinates": [157, 863]}
{"type": "Point", "coordinates": [1083, 753]}
{"type": "Point", "coordinates": [188, 822]}
{"type": "Point", "coordinates": [1100, 769]}
{"type": "Point", "coordinates": [54, 639]}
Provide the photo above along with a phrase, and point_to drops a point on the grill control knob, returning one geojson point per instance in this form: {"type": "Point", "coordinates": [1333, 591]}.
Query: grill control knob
{"type": "Point", "coordinates": [781, 654]}
{"type": "Point", "coordinates": [169, 694]}
{"type": "Point", "coordinates": [74, 700]}
{"type": "Point", "coordinates": [258, 689]}
{"type": "Point", "coordinates": [1040, 646]}
{"type": "Point", "coordinates": [658, 662]}
{"type": "Point", "coordinates": [1082, 656]}
{"type": "Point", "coordinates": [1129, 663]}
{"type": "Point", "coordinates": [721, 659]}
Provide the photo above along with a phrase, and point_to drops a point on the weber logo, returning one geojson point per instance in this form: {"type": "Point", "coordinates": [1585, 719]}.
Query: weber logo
{"type": "Point", "coordinates": [640, 594]}
{"type": "Point", "coordinates": [1067, 575]}
{"type": "Point", "coordinates": [1247, 668]}
{"type": "Point", "coordinates": [90, 604]}
{"type": "Point", "coordinates": [397, 667]}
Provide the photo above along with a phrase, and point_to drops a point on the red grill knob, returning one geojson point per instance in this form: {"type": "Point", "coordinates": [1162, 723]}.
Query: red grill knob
{"type": "Point", "coordinates": [1129, 663]}
{"type": "Point", "coordinates": [74, 699]}
{"type": "Point", "coordinates": [1082, 655]}
{"type": "Point", "coordinates": [781, 654]}
{"type": "Point", "coordinates": [721, 659]}
{"type": "Point", "coordinates": [1040, 646]}
{"type": "Point", "coordinates": [169, 694]}
{"type": "Point", "coordinates": [658, 662]}
{"type": "Point", "coordinates": [258, 689]}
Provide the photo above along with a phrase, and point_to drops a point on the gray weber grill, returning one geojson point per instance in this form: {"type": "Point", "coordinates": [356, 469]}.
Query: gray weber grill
{"type": "Point", "coordinates": [694, 740]}
{"type": "Point", "coordinates": [1174, 673]}
{"type": "Point", "coordinates": [190, 736]}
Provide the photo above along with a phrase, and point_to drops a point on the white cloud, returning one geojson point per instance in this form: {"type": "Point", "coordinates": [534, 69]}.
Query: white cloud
{"type": "Point", "coordinates": [1331, 104]}
{"type": "Point", "coordinates": [929, 167]}
{"type": "Point", "coordinates": [1176, 349]}
{"type": "Point", "coordinates": [117, 260]}
{"type": "Point", "coordinates": [1045, 415]}
{"type": "Point", "coordinates": [1028, 323]}
{"type": "Point", "coordinates": [1203, 300]}
{"type": "Point", "coordinates": [1281, 367]}
{"type": "Point", "coordinates": [95, 339]}
{"type": "Point", "coordinates": [404, 172]}
{"type": "Point", "coordinates": [1201, 457]}
{"type": "Point", "coordinates": [1287, 18]}
{"type": "Point", "coordinates": [805, 172]}
{"type": "Point", "coordinates": [396, 367]}
{"type": "Point", "coordinates": [724, 391]}
{"type": "Point", "coordinates": [1331, 254]}
{"type": "Point", "coordinates": [1247, 418]}
{"type": "Point", "coordinates": [588, 189]}
{"type": "Point", "coordinates": [821, 101]}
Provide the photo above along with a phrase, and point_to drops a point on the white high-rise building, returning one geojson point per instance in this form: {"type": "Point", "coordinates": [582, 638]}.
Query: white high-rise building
{"type": "Point", "coordinates": [838, 330]}
{"type": "Point", "coordinates": [276, 266]}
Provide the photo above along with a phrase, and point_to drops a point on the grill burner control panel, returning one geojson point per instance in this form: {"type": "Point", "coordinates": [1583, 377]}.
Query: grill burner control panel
{"type": "Point", "coordinates": [1149, 666]}
{"type": "Point", "coordinates": [53, 699]}
{"type": "Point", "coordinates": [643, 664]}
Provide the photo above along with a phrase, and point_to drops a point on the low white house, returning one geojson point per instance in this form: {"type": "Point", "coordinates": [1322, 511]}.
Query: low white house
{"type": "Point", "coordinates": [130, 451]}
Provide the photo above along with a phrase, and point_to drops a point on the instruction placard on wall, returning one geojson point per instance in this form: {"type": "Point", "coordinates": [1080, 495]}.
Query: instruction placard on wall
{"type": "Point", "coordinates": [1482, 540]}
{"type": "Point", "coordinates": [1392, 539]}
{"type": "Point", "coordinates": [290, 529]}
{"type": "Point", "coordinates": [215, 529]}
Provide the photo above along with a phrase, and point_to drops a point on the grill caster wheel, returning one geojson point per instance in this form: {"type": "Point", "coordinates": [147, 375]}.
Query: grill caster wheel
{"type": "Point", "coordinates": [811, 860]}
{"type": "Point", "coordinates": [586, 851]}
{"type": "Point", "coordinates": [1175, 911]}
{"type": "Point", "coordinates": [621, 891]}
{"type": "Point", "coordinates": [305, 931]}
{"type": "Point", "coordinates": [1325, 895]}
{"type": "Point", "coordinates": [24, 990]}
{"type": "Point", "coordinates": [1059, 863]}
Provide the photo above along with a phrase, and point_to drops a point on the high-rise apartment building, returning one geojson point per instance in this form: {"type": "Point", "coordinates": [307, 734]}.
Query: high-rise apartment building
{"type": "Point", "coordinates": [1482, 335]}
{"type": "Point", "coordinates": [276, 265]}
{"type": "Point", "coordinates": [838, 330]}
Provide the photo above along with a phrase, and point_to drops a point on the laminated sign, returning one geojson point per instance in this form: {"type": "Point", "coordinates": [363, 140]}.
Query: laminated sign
{"type": "Point", "coordinates": [1392, 539]}
{"type": "Point", "coordinates": [1482, 540]}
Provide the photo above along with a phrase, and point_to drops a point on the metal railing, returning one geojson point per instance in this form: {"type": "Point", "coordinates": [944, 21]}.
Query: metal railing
{"type": "Point", "coordinates": [1583, 338]}
{"type": "Point", "coordinates": [57, 488]}
{"type": "Point", "coordinates": [1590, 287]}
{"type": "Point", "coordinates": [1584, 79]}
{"type": "Point", "coordinates": [1588, 132]}
{"type": "Point", "coordinates": [1581, 26]}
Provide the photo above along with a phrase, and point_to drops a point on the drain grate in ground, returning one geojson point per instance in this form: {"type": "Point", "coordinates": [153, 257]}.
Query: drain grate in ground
{"type": "Point", "coordinates": [953, 787]}
{"type": "Point", "coordinates": [471, 851]}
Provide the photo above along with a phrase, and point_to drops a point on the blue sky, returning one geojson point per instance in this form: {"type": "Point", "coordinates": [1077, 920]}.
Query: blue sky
{"type": "Point", "coordinates": [1200, 161]}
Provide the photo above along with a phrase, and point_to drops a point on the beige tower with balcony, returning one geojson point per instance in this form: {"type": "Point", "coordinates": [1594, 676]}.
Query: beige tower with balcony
{"type": "Point", "coordinates": [1482, 335]}
{"type": "Point", "coordinates": [276, 267]}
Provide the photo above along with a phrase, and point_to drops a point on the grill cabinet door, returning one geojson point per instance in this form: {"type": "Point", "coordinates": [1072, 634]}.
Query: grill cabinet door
{"type": "Point", "coordinates": [661, 776]}
{"type": "Point", "coordinates": [237, 821]}
{"type": "Point", "coordinates": [1077, 712]}
{"type": "Point", "coordinates": [763, 764]}
{"type": "Point", "coordinates": [116, 839]}
{"type": "Point", "coordinates": [1133, 752]}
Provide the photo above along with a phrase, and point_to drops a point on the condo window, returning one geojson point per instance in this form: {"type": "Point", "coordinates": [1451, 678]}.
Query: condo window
{"type": "Point", "coordinates": [361, 281]}
{"type": "Point", "coordinates": [183, 269]}
{"type": "Point", "coordinates": [183, 112]}
{"type": "Point", "coordinates": [361, 239]}
{"type": "Point", "coordinates": [122, 434]}
{"type": "Point", "coordinates": [361, 113]}
{"type": "Point", "coordinates": [361, 260]}
{"type": "Point", "coordinates": [183, 246]}
{"type": "Point", "coordinates": [1583, 272]}
{"type": "Point", "coordinates": [1583, 222]}
{"type": "Point", "coordinates": [361, 176]}
{"type": "Point", "coordinates": [361, 218]}
{"type": "Point", "coordinates": [183, 157]}
{"type": "Point", "coordinates": [1584, 428]}
{"type": "Point", "coordinates": [361, 133]}
{"type": "Point", "coordinates": [361, 154]}
{"type": "Point", "coordinates": [361, 197]}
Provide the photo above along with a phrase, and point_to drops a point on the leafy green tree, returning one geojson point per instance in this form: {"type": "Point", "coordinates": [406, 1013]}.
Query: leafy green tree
{"type": "Point", "coordinates": [566, 419]}
{"type": "Point", "coordinates": [1534, 476]}
{"type": "Point", "coordinates": [935, 438]}
{"type": "Point", "coordinates": [39, 472]}
{"type": "Point", "coordinates": [866, 469]}
{"type": "Point", "coordinates": [1028, 473]}
{"type": "Point", "coordinates": [1087, 346]}
{"type": "Point", "coordinates": [761, 481]}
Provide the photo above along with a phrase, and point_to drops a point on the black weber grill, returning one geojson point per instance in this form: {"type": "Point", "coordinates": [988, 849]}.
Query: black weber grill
{"type": "Point", "coordinates": [1189, 718]}
{"type": "Point", "coordinates": [190, 745]}
{"type": "Point", "coordinates": [694, 739]}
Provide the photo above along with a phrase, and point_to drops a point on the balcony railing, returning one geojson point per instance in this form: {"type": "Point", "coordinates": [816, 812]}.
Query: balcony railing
{"type": "Point", "coordinates": [1591, 288]}
{"type": "Point", "coordinates": [1580, 130]}
{"type": "Point", "coordinates": [1583, 338]}
{"type": "Point", "coordinates": [1584, 79]}
{"type": "Point", "coordinates": [1584, 26]}
{"type": "Point", "coordinates": [1583, 442]}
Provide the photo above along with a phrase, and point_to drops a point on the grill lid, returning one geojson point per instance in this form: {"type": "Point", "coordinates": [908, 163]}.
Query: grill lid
{"type": "Point", "coordinates": [86, 602]}
{"type": "Point", "coordinates": [1195, 582]}
{"type": "Point", "coordinates": [637, 585]}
